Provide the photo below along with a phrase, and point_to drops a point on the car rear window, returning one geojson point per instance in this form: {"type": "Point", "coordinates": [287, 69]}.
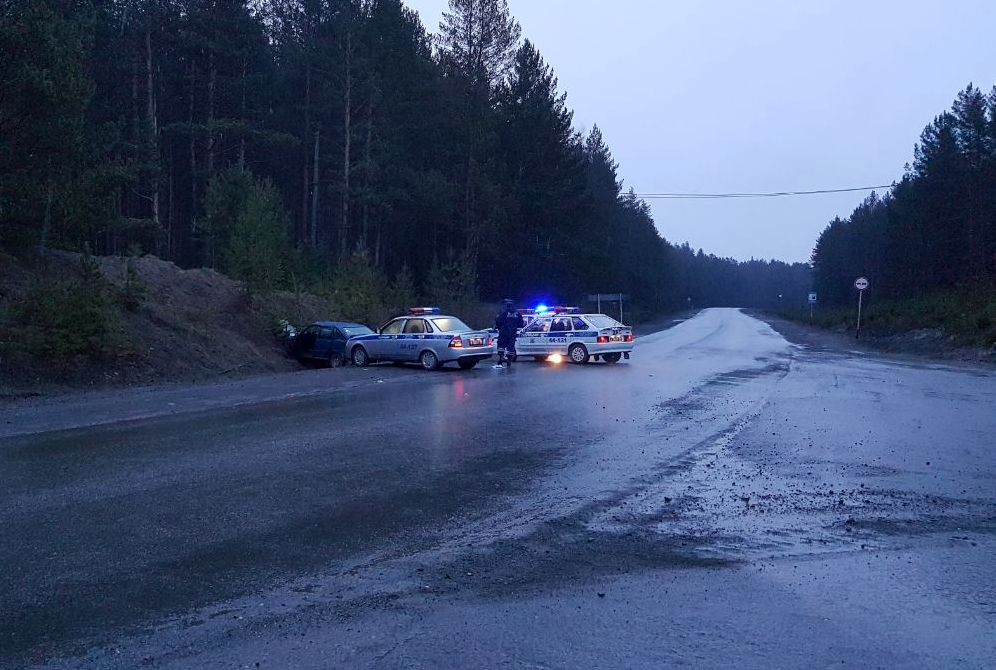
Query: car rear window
{"type": "Point", "coordinates": [602, 321]}
{"type": "Point", "coordinates": [448, 324]}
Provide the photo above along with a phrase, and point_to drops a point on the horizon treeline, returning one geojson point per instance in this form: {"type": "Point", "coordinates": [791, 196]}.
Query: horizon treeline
{"type": "Point", "coordinates": [278, 140]}
{"type": "Point", "coordinates": [935, 229]}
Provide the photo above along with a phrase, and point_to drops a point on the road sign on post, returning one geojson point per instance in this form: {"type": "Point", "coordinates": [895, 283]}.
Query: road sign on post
{"type": "Point", "coordinates": [597, 298]}
{"type": "Point", "coordinates": [861, 283]}
{"type": "Point", "coordinates": [812, 303]}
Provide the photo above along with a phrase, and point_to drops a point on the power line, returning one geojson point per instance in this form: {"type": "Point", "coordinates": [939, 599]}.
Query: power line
{"type": "Point", "coordinates": [776, 194]}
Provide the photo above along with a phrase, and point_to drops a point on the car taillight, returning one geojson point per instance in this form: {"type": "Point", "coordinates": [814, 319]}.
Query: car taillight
{"type": "Point", "coordinates": [457, 342]}
{"type": "Point", "coordinates": [603, 339]}
{"type": "Point", "coordinates": [629, 338]}
{"type": "Point", "coordinates": [490, 342]}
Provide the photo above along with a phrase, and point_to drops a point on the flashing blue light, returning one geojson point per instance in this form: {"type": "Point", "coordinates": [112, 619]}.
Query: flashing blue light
{"type": "Point", "coordinates": [540, 308]}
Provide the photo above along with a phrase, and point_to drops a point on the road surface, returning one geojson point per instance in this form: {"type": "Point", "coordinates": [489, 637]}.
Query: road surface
{"type": "Point", "coordinates": [724, 499]}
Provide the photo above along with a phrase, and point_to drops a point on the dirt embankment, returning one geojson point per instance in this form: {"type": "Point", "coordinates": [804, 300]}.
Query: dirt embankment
{"type": "Point", "coordinates": [184, 325]}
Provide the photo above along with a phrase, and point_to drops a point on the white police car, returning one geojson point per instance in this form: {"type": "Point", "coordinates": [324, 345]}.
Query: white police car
{"type": "Point", "coordinates": [425, 337]}
{"type": "Point", "coordinates": [579, 337]}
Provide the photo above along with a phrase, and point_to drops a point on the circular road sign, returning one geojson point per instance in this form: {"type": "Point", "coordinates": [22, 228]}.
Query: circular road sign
{"type": "Point", "coordinates": [861, 283]}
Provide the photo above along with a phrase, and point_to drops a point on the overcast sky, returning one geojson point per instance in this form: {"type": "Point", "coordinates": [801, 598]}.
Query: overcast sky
{"type": "Point", "coordinates": [767, 95]}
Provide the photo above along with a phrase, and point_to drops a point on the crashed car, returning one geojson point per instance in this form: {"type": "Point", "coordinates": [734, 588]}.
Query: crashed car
{"type": "Point", "coordinates": [324, 341]}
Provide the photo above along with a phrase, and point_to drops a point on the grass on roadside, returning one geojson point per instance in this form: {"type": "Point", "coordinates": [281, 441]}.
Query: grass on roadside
{"type": "Point", "coordinates": [969, 317]}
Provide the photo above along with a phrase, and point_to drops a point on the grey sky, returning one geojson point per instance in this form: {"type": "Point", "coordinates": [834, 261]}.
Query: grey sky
{"type": "Point", "coordinates": [768, 95]}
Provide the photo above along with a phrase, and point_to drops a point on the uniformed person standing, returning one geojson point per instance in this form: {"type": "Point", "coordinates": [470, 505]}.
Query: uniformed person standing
{"type": "Point", "coordinates": [508, 323]}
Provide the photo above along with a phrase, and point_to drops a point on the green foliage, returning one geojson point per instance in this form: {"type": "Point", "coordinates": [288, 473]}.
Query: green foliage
{"type": "Point", "coordinates": [401, 293]}
{"type": "Point", "coordinates": [190, 129]}
{"type": "Point", "coordinates": [968, 317]}
{"type": "Point", "coordinates": [933, 231]}
{"type": "Point", "coordinates": [60, 320]}
{"type": "Point", "coordinates": [257, 249]}
{"type": "Point", "coordinates": [452, 284]}
{"type": "Point", "coordinates": [45, 86]}
{"type": "Point", "coordinates": [224, 202]}
{"type": "Point", "coordinates": [134, 290]}
{"type": "Point", "coordinates": [359, 289]}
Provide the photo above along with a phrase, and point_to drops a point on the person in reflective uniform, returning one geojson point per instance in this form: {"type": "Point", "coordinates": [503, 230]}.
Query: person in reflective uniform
{"type": "Point", "coordinates": [508, 323]}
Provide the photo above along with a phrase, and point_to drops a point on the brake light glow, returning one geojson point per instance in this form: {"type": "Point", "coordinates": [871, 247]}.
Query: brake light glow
{"type": "Point", "coordinates": [456, 342]}
{"type": "Point", "coordinates": [603, 339]}
{"type": "Point", "coordinates": [629, 338]}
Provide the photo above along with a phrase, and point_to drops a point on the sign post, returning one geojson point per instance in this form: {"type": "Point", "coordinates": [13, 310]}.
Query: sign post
{"type": "Point", "coordinates": [861, 283]}
{"type": "Point", "coordinates": [812, 303]}
{"type": "Point", "coordinates": [597, 298]}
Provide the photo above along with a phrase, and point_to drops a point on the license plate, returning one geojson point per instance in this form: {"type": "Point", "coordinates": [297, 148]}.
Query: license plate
{"type": "Point", "coordinates": [476, 341]}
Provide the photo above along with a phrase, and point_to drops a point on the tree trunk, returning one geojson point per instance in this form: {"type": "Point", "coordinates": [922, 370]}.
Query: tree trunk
{"type": "Point", "coordinates": [136, 136]}
{"type": "Point", "coordinates": [242, 138]}
{"type": "Point", "coordinates": [347, 143]}
{"type": "Point", "coordinates": [367, 169]}
{"type": "Point", "coordinates": [314, 197]}
{"type": "Point", "coordinates": [303, 234]}
{"type": "Point", "coordinates": [47, 220]}
{"type": "Point", "coordinates": [153, 124]}
{"type": "Point", "coordinates": [212, 81]}
{"type": "Point", "coordinates": [170, 233]}
{"type": "Point", "coordinates": [193, 148]}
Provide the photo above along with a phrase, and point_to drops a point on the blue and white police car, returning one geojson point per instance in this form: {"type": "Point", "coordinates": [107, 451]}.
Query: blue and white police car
{"type": "Point", "coordinates": [423, 336]}
{"type": "Point", "coordinates": [564, 331]}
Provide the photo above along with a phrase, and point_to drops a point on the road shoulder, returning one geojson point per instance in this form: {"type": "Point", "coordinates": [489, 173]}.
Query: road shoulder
{"type": "Point", "coordinates": [819, 339]}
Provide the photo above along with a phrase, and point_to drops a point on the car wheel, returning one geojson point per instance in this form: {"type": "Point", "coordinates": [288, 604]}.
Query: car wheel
{"type": "Point", "coordinates": [360, 357]}
{"type": "Point", "coordinates": [467, 365]}
{"type": "Point", "coordinates": [335, 360]}
{"type": "Point", "coordinates": [428, 360]}
{"type": "Point", "coordinates": [578, 354]}
{"type": "Point", "coordinates": [611, 358]}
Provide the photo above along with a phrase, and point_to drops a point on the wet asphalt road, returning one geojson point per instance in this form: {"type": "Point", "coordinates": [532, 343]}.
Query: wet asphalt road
{"type": "Point", "coordinates": [725, 499]}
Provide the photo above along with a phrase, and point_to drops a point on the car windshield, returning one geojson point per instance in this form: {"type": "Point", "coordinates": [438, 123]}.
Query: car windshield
{"type": "Point", "coordinates": [602, 321]}
{"type": "Point", "coordinates": [354, 331]}
{"type": "Point", "coordinates": [448, 324]}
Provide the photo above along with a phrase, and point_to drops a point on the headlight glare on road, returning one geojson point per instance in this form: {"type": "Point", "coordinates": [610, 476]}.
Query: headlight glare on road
{"type": "Point", "coordinates": [555, 358]}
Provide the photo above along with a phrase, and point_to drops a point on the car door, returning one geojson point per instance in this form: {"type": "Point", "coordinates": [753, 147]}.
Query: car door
{"type": "Point", "coordinates": [560, 333]}
{"type": "Point", "coordinates": [323, 343]}
{"type": "Point", "coordinates": [412, 337]}
{"type": "Point", "coordinates": [386, 347]}
{"type": "Point", "coordinates": [304, 343]}
{"type": "Point", "coordinates": [338, 343]}
{"type": "Point", "coordinates": [533, 337]}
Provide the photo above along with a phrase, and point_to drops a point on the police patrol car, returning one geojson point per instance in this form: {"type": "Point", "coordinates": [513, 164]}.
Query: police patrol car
{"type": "Point", "coordinates": [424, 336]}
{"type": "Point", "coordinates": [580, 337]}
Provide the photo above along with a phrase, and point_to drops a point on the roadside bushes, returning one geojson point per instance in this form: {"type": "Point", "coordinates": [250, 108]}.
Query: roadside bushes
{"type": "Point", "coordinates": [967, 317]}
{"type": "Point", "coordinates": [61, 319]}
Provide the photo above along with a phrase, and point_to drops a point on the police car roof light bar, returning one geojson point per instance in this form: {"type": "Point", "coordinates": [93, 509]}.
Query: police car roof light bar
{"type": "Point", "coordinates": [560, 309]}
{"type": "Point", "coordinates": [418, 311]}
